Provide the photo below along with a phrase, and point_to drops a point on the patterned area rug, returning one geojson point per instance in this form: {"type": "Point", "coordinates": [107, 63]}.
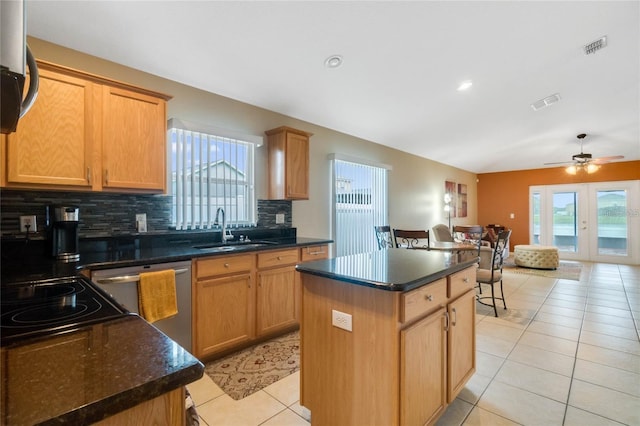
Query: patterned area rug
{"type": "Point", "coordinates": [567, 270]}
{"type": "Point", "coordinates": [245, 372]}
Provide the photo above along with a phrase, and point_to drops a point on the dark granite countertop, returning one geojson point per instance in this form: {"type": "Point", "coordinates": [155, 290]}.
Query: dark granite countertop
{"type": "Point", "coordinates": [26, 260]}
{"type": "Point", "coordinates": [91, 372]}
{"type": "Point", "coordinates": [94, 371]}
{"type": "Point", "coordinates": [391, 269]}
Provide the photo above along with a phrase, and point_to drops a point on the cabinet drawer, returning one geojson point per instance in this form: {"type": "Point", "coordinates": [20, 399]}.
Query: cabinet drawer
{"type": "Point", "coordinates": [461, 282]}
{"type": "Point", "coordinates": [418, 302]}
{"type": "Point", "coordinates": [224, 265]}
{"type": "Point", "coordinates": [268, 259]}
{"type": "Point", "coordinates": [314, 253]}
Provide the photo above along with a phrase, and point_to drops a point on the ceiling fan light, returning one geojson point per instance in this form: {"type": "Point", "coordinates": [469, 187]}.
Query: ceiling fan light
{"type": "Point", "coordinates": [572, 170]}
{"type": "Point", "coordinates": [592, 168]}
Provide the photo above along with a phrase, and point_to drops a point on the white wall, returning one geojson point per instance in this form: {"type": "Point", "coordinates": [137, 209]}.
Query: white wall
{"type": "Point", "coordinates": [416, 185]}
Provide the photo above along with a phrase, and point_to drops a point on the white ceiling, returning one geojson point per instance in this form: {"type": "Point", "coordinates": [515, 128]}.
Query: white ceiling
{"type": "Point", "coordinates": [402, 64]}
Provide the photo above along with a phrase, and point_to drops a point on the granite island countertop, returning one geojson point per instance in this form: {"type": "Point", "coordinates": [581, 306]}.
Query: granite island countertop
{"type": "Point", "coordinates": [391, 269]}
{"type": "Point", "coordinates": [91, 372]}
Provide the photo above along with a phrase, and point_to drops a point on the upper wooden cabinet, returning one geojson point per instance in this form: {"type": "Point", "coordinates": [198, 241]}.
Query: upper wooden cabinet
{"type": "Point", "coordinates": [288, 163]}
{"type": "Point", "coordinates": [133, 140]}
{"type": "Point", "coordinates": [86, 132]}
{"type": "Point", "coordinates": [54, 141]}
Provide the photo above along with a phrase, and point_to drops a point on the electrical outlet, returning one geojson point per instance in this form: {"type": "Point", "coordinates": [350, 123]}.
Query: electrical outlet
{"type": "Point", "coordinates": [141, 222]}
{"type": "Point", "coordinates": [279, 218]}
{"type": "Point", "coordinates": [341, 320]}
{"type": "Point", "coordinates": [28, 224]}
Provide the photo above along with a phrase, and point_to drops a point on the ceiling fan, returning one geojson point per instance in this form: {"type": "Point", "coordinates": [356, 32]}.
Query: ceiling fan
{"type": "Point", "coordinates": [585, 161]}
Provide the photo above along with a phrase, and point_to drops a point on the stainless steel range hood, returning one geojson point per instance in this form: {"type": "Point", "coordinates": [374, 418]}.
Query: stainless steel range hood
{"type": "Point", "coordinates": [15, 57]}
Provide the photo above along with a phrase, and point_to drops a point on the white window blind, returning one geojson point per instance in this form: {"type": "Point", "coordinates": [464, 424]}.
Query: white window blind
{"type": "Point", "coordinates": [210, 171]}
{"type": "Point", "coordinates": [360, 203]}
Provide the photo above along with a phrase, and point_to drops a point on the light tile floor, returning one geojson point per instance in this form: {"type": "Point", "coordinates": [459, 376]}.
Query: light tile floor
{"type": "Point", "coordinates": [564, 353]}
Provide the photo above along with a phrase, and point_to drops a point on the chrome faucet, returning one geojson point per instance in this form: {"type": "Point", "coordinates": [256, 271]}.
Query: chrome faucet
{"type": "Point", "coordinates": [225, 237]}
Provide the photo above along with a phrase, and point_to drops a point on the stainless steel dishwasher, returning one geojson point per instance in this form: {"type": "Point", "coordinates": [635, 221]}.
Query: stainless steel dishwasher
{"type": "Point", "coordinates": [122, 285]}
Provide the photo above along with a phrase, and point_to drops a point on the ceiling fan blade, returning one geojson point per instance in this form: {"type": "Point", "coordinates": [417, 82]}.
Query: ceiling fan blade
{"type": "Point", "coordinates": [559, 162]}
{"type": "Point", "coordinates": [603, 160]}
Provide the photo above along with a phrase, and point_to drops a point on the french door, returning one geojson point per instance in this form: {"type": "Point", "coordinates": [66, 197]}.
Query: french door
{"type": "Point", "coordinates": [590, 221]}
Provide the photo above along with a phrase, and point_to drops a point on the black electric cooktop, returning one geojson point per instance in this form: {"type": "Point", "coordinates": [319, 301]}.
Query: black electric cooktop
{"type": "Point", "coordinates": [51, 306]}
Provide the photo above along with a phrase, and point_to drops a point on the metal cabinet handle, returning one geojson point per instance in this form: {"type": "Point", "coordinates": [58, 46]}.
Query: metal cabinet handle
{"type": "Point", "coordinates": [89, 175]}
{"type": "Point", "coordinates": [314, 253]}
{"type": "Point", "coordinates": [465, 280]}
{"type": "Point", "coordinates": [106, 177]}
{"type": "Point", "coordinates": [455, 317]}
{"type": "Point", "coordinates": [226, 265]}
{"type": "Point", "coordinates": [429, 297]}
{"type": "Point", "coordinates": [279, 258]}
{"type": "Point", "coordinates": [130, 278]}
{"type": "Point", "coordinates": [446, 321]}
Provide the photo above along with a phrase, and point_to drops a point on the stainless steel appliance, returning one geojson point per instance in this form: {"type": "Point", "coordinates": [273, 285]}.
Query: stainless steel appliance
{"type": "Point", "coordinates": [122, 285]}
{"type": "Point", "coordinates": [15, 56]}
{"type": "Point", "coordinates": [50, 306]}
{"type": "Point", "coordinates": [62, 223]}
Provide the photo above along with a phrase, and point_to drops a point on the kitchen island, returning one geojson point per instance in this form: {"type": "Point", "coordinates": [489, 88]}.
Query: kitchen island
{"type": "Point", "coordinates": [388, 337]}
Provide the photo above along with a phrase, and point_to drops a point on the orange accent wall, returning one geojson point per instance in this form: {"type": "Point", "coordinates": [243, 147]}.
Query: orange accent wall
{"type": "Point", "coordinates": [503, 193]}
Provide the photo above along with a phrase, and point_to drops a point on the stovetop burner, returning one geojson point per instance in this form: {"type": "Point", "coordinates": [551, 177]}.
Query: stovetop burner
{"type": "Point", "coordinates": [49, 306]}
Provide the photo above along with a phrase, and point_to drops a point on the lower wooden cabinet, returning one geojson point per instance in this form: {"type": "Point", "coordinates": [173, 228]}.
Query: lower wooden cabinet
{"type": "Point", "coordinates": [223, 303]}
{"type": "Point", "coordinates": [224, 313]}
{"type": "Point", "coordinates": [276, 306]}
{"type": "Point", "coordinates": [240, 298]}
{"type": "Point", "coordinates": [461, 343]}
{"type": "Point", "coordinates": [423, 380]}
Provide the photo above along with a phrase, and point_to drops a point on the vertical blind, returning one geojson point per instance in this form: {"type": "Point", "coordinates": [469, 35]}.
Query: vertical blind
{"type": "Point", "coordinates": [360, 203]}
{"type": "Point", "coordinates": [207, 172]}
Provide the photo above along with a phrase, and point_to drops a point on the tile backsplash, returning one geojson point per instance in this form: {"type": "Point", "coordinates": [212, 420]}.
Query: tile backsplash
{"type": "Point", "coordinates": [104, 214]}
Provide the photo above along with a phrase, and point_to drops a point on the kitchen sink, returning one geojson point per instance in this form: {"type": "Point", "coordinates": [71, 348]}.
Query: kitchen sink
{"type": "Point", "coordinates": [234, 245]}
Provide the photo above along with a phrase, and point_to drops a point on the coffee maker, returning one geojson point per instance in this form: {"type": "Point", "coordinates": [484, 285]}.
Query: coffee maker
{"type": "Point", "coordinates": [62, 226]}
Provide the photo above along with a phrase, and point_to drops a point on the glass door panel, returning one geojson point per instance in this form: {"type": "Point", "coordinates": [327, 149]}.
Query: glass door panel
{"type": "Point", "coordinates": [536, 217]}
{"type": "Point", "coordinates": [612, 222]}
{"type": "Point", "coordinates": [587, 221]}
{"type": "Point", "coordinates": [565, 225]}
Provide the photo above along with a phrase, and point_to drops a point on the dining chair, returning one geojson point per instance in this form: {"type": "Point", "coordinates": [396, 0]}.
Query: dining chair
{"type": "Point", "coordinates": [383, 236]}
{"type": "Point", "coordinates": [411, 239]}
{"type": "Point", "coordinates": [491, 273]}
{"type": "Point", "coordinates": [469, 234]}
{"type": "Point", "coordinates": [441, 232]}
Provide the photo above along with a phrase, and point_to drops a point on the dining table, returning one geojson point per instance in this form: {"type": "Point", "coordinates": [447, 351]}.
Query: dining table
{"type": "Point", "coordinates": [452, 246]}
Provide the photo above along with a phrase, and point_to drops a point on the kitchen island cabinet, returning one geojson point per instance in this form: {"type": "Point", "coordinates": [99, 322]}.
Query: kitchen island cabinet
{"type": "Point", "coordinates": [88, 133]}
{"type": "Point", "coordinates": [411, 347]}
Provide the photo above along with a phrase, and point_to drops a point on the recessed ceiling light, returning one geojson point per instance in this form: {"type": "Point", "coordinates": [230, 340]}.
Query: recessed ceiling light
{"type": "Point", "coordinates": [333, 61]}
{"type": "Point", "coordinates": [465, 85]}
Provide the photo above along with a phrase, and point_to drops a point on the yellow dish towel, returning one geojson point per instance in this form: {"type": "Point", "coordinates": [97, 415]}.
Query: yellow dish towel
{"type": "Point", "coordinates": [157, 295]}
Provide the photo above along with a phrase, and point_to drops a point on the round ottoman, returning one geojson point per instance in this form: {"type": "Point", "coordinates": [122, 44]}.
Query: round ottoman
{"type": "Point", "coordinates": [538, 257]}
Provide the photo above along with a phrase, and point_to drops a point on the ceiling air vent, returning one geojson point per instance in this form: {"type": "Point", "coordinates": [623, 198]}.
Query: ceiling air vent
{"type": "Point", "coordinates": [543, 103]}
{"type": "Point", "coordinates": [594, 46]}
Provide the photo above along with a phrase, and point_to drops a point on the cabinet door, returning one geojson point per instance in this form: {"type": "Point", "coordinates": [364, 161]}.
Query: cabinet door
{"type": "Point", "coordinates": [133, 141]}
{"type": "Point", "coordinates": [54, 141]}
{"type": "Point", "coordinates": [276, 299]}
{"type": "Point", "coordinates": [223, 314]}
{"type": "Point", "coordinates": [297, 166]}
{"type": "Point", "coordinates": [461, 345]}
{"type": "Point", "coordinates": [423, 370]}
